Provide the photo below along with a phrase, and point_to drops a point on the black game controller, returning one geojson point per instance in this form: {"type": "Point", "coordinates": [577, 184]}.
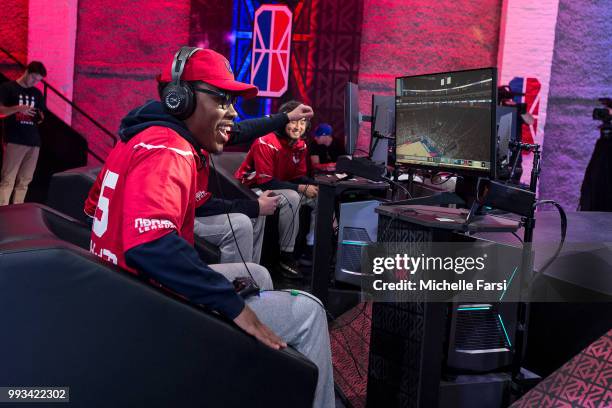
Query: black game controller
{"type": "Point", "coordinates": [245, 287]}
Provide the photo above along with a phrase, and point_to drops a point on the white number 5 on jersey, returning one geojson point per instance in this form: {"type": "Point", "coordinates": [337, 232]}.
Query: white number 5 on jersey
{"type": "Point", "coordinates": [100, 225]}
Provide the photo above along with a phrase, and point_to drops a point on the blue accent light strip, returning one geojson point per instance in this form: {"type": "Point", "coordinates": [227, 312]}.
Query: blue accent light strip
{"type": "Point", "coordinates": [250, 7]}
{"type": "Point", "coordinates": [461, 309]}
{"type": "Point", "coordinates": [505, 332]}
{"type": "Point", "coordinates": [244, 34]}
{"type": "Point", "coordinates": [235, 10]}
{"type": "Point", "coordinates": [357, 243]}
{"type": "Point", "coordinates": [245, 69]}
{"type": "Point", "coordinates": [268, 107]}
{"type": "Point", "coordinates": [509, 283]}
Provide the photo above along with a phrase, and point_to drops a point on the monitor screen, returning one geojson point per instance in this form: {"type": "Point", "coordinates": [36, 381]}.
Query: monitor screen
{"type": "Point", "coordinates": [446, 121]}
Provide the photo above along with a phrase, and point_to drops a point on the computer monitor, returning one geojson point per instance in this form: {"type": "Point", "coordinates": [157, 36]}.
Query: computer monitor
{"type": "Point", "coordinates": [351, 117]}
{"type": "Point", "coordinates": [506, 130]}
{"type": "Point", "coordinates": [383, 125]}
{"type": "Point", "coordinates": [446, 121]}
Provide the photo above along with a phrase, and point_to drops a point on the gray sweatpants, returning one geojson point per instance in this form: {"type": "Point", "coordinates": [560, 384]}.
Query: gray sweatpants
{"type": "Point", "coordinates": [247, 235]}
{"type": "Point", "coordinates": [299, 320]}
{"type": "Point", "coordinates": [289, 218]}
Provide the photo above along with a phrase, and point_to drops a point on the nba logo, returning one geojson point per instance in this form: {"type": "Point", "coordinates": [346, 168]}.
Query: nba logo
{"type": "Point", "coordinates": [531, 88]}
{"type": "Point", "coordinates": [271, 47]}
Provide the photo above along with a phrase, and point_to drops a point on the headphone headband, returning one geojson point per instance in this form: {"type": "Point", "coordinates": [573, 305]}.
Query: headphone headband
{"type": "Point", "coordinates": [180, 61]}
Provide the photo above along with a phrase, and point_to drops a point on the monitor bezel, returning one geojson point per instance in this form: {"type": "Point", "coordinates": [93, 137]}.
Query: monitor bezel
{"type": "Point", "coordinates": [351, 92]}
{"type": "Point", "coordinates": [491, 172]}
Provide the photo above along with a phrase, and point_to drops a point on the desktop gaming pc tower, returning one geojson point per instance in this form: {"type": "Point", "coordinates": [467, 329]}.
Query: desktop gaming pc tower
{"type": "Point", "coordinates": [357, 228]}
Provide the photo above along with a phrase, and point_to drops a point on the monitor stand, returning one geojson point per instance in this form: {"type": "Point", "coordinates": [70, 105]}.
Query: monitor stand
{"type": "Point", "coordinates": [463, 197]}
{"type": "Point", "coordinates": [466, 188]}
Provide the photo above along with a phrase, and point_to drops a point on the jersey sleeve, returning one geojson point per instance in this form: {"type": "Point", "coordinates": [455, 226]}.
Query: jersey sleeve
{"type": "Point", "coordinates": [156, 197]}
{"type": "Point", "coordinates": [263, 161]}
{"type": "Point", "coordinates": [91, 203]}
{"type": "Point", "coordinates": [302, 168]}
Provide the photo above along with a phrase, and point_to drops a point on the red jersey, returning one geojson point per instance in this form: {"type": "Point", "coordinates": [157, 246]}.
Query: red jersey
{"type": "Point", "coordinates": [270, 157]}
{"type": "Point", "coordinates": [147, 188]}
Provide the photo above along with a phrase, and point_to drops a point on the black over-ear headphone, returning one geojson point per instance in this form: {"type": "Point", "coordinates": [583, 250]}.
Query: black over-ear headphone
{"type": "Point", "coordinates": [178, 96]}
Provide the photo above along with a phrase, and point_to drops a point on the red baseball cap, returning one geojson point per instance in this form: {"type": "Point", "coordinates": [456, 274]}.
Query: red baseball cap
{"type": "Point", "coordinates": [214, 69]}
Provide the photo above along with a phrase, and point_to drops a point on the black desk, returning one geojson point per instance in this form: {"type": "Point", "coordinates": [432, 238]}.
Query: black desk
{"type": "Point", "coordinates": [329, 191]}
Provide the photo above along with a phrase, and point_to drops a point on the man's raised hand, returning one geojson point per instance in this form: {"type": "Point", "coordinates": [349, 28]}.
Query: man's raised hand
{"type": "Point", "coordinates": [301, 112]}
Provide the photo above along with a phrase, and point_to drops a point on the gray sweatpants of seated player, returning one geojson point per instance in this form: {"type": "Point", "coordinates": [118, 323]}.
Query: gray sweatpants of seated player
{"type": "Point", "coordinates": [288, 218]}
{"type": "Point", "coordinates": [299, 320]}
{"type": "Point", "coordinates": [248, 234]}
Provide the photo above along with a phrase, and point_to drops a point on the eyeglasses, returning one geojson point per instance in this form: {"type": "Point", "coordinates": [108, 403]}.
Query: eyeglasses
{"type": "Point", "coordinates": [227, 99]}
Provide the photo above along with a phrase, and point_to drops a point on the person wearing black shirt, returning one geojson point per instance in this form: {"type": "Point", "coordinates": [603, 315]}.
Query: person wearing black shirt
{"type": "Point", "coordinates": [23, 105]}
{"type": "Point", "coordinates": [324, 149]}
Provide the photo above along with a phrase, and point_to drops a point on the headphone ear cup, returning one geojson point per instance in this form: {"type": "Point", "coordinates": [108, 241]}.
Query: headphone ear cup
{"type": "Point", "coordinates": [178, 100]}
{"type": "Point", "coordinates": [190, 100]}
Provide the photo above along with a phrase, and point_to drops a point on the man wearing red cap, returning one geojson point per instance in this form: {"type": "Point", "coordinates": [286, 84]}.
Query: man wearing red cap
{"type": "Point", "coordinates": [148, 193]}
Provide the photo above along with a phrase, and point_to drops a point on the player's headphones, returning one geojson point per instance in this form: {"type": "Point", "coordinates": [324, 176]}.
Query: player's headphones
{"type": "Point", "coordinates": [178, 97]}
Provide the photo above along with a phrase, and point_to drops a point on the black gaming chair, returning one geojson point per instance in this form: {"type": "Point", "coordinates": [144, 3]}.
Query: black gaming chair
{"type": "Point", "coordinates": [222, 182]}
{"type": "Point", "coordinates": [70, 319]}
{"type": "Point", "coordinates": [68, 191]}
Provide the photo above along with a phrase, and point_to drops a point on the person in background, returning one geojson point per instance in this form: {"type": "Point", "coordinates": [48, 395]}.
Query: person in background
{"type": "Point", "coordinates": [24, 106]}
{"type": "Point", "coordinates": [278, 162]}
{"type": "Point", "coordinates": [324, 149]}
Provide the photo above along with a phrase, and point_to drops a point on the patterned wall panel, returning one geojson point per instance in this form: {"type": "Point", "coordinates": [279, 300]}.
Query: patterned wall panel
{"type": "Point", "coordinates": [398, 337]}
{"type": "Point", "coordinates": [210, 26]}
{"type": "Point", "coordinates": [584, 381]}
{"type": "Point", "coordinates": [336, 58]}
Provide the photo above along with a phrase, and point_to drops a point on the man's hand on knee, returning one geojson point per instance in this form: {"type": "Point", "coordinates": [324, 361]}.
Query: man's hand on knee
{"type": "Point", "coordinates": [248, 321]}
{"type": "Point", "coordinates": [308, 190]}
